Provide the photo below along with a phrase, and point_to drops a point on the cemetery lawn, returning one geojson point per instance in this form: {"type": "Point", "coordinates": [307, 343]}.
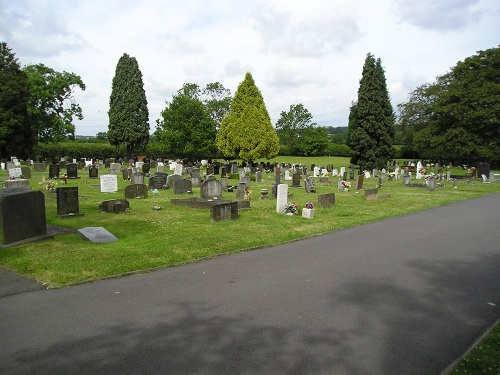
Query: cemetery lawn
{"type": "Point", "coordinates": [150, 239]}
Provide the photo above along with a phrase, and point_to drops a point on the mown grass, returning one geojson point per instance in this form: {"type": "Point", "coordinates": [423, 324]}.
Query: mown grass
{"type": "Point", "coordinates": [151, 239]}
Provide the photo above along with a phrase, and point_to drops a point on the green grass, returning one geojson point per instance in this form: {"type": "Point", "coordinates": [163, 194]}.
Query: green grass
{"type": "Point", "coordinates": [484, 358]}
{"type": "Point", "coordinates": [151, 239]}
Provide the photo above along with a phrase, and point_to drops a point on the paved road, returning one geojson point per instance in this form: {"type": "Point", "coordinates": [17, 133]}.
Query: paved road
{"type": "Point", "coordinates": [402, 296]}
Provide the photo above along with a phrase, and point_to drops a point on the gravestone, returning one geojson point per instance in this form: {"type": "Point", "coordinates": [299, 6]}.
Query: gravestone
{"type": "Point", "coordinates": [114, 206]}
{"type": "Point", "coordinates": [211, 188]}
{"type": "Point", "coordinates": [224, 211]}
{"type": "Point", "coordinates": [171, 178]}
{"type": "Point", "coordinates": [296, 180]}
{"type": "Point", "coordinates": [26, 172]}
{"type": "Point", "coordinates": [182, 186]}
{"type": "Point", "coordinates": [258, 176]}
{"type": "Point", "coordinates": [287, 175]}
{"type": "Point", "coordinates": [340, 186]}
{"type": "Point", "coordinates": [97, 234]}
{"type": "Point", "coordinates": [326, 200]}
{"type": "Point", "coordinates": [308, 213]}
{"type": "Point", "coordinates": [223, 182]}
{"type": "Point", "coordinates": [39, 167]}
{"type": "Point", "coordinates": [136, 191]}
{"type": "Point", "coordinates": [359, 182]}
{"type": "Point", "coordinates": [371, 194]}
{"type": "Point", "coordinates": [246, 180]}
{"type": "Point", "coordinates": [137, 178]}
{"type": "Point", "coordinates": [241, 176]}
{"type": "Point", "coordinates": [483, 168]}
{"type": "Point", "coordinates": [15, 172]}
{"type": "Point", "coordinates": [195, 173]}
{"type": "Point", "coordinates": [160, 167]}
{"type": "Point", "coordinates": [146, 167]}
{"type": "Point", "coordinates": [67, 202]}
{"type": "Point", "coordinates": [178, 169]}
{"type": "Point", "coordinates": [240, 193]}
{"type": "Point", "coordinates": [22, 218]}
{"type": "Point", "coordinates": [277, 179]}
{"type": "Point", "coordinates": [19, 185]}
{"type": "Point", "coordinates": [351, 174]}
{"type": "Point", "coordinates": [431, 184]}
{"type": "Point", "coordinates": [109, 183]}
{"type": "Point", "coordinates": [234, 168]}
{"type": "Point", "coordinates": [93, 171]}
{"type": "Point", "coordinates": [309, 185]}
{"type": "Point", "coordinates": [54, 171]}
{"type": "Point", "coordinates": [72, 170]}
{"type": "Point", "coordinates": [116, 167]}
{"type": "Point", "coordinates": [281, 198]}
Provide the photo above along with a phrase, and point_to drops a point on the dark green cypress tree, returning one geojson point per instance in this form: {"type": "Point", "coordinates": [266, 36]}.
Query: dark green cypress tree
{"type": "Point", "coordinates": [128, 107]}
{"type": "Point", "coordinates": [17, 137]}
{"type": "Point", "coordinates": [371, 120]}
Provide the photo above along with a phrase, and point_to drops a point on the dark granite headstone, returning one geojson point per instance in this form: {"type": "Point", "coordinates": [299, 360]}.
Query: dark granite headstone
{"type": "Point", "coordinates": [72, 170]}
{"type": "Point", "coordinates": [482, 168]}
{"type": "Point", "coordinates": [326, 200]}
{"type": "Point", "coordinates": [54, 171]}
{"type": "Point", "coordinates": [359, 182]}
{"type": "Point", "coordinates": [146, 167]}
{"type": "Point", "coordinates": [22, 218]}
{"type": "Point", "coordinates": [224, 211]}
{"type": "Point", "coordinates": [26, 172]}
{"type": "Point", "coordinates": [114, 206]}
{"type": "Point", "coordinates": [136, 191]}
{"type": "Point", "coordinates": [93, 172]}
{"type": "Point", "coordinates": [296, 180]}
{"type": "Point", "coordinates": [67, 202]}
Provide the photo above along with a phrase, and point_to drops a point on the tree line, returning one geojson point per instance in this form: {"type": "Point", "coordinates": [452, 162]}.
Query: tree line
{"type": "Point", "coordinates": [454, 119]}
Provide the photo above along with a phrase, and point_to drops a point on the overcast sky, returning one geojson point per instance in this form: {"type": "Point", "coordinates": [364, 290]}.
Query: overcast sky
{"type": "Point", "coordinates": [310, 52]}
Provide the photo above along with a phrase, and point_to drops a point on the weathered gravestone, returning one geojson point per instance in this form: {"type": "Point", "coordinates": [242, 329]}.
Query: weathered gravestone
{"type": "Point", "coordinates": [137, 178]}
{"type": "Point", "coordinates": [240, 193]}
{"type": "Point", "coordinates": [26, 172]}
{"type": "Point", "coordinates": [171, 178]}
{"type": "Point", "coordinates": [182, 186]}
{"type": "Point", "coordinates": [157, 182]}
{"type": "Point", "coordinates": [72, 170]}
{"type": "Point", "coordinates": [19, 185]}
{"type": "Point", "coordinates": [296, 180]}
{"type": "Point", "coordinates": [67, 202]}
{"type": "Point", "coordinates": [281, 198]}
{"type": "Point", "coordinates": [15, 172]}
{"type": "Point", "coordinates": [136, 191]}
{"type": "Point", "coordinates": [54, 171]}
{"type": "Point", "coordinates": [97, 234]}
{"type": "Point", "coordinates": [22, 218]}
{"type": "Point", "coordinates": [39, 167]}
{"type": "Point", "coordinates": [371, 194]}
{"type": "Point", "coordinates": [326, 200]}
{"type": "Point", "coordinates": [211, 188]}
{"type": "Point", "coordinates": [224, 211]}
{"type": "Point", "coordinates": [258, 176]}
{"type": "Point", "coordinates": [93, 172]}
{"type": "Point", "coordinates": [309, 185]}
{"type": "Point", "coordinates": [359, 182]}
{"type": "Point", "coordinates": [114, 206]}
{"type": "Point", "coordinates": [431, 184]}
{"type": "Point", "coordinates": [109, 183]}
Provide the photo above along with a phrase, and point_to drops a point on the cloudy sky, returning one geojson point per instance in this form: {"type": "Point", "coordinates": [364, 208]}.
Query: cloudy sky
{"type": "Point", "coordinates": [310, 52]}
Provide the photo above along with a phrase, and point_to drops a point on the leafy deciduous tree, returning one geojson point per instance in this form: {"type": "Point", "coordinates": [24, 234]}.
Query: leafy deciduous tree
{"type": "Point", "coordinates": [16, 134]}
{"type": "Point", "coordinates": [291, 126]}
{"type": "Point", "coordinates": [128, 107]}
{"type": "Point", "coordinates": [246, 132]}
{"type": "Point", "coordinates": [371, 120]}
{"type": "Point", "coordinates": [187, 129]}
{"type": "Point", "coordinates": [52, 105]}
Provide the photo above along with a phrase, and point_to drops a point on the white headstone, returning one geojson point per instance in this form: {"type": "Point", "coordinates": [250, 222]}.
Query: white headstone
{"type": "Point", "coordinates": [172, 165]}
{"type": "Point", "coordinates": [282, 198]}
{"type": "Point", "coordinates": [139, 164]}
{"type": "Point", "coordinates": [317, 171]}
{"type": "Point", "coordinates": [109, 183]}
{"type": "Point", "coordinates": [178, 169]}
{"type": "Point", "coordinates": [419, 175]}
{"type": "Point", "coordinates": [340, 186]}
{"type": "Point", "coordinates": [160, 167]}
{"type": "Point", "coordinates": [335, 172]}
{"type": "Point", "coordinates": [367, 174]}
{"type": "Point", "coordinates": [287, 175]}
{"type": "Point", "coordinates": [342, 171]}
{"type": "Point", "coordinates": [15, 172]}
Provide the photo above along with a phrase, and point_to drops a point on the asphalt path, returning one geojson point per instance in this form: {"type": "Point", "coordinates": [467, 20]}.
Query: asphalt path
{"type": "Point", "coordinates": [407, 295]}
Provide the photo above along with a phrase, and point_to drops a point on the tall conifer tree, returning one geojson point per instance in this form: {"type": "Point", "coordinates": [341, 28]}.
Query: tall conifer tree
{"type": "Point", "coordinates": [371, 121]}
{"type": "Point", "coordinates": [246, 132]}
{"type": "Point", "coordinates": [128, 107]}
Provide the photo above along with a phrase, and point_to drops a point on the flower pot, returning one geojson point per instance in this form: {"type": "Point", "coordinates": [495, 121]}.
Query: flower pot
{"type": "Point", "coordinates": [308, 213]}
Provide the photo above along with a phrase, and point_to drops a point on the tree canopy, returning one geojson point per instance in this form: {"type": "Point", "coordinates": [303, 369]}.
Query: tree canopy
{"type": "Point", "coordinates": [128, 107]}
{"type": "Point", "coordinates": [291, 127]}
{"type": "Point", "coordinates": [246, 132]}
{"type": "Point", "coordinates": [17, 137]}
{"type": "Point", "coordinates": [52, 105]}
{"type": "Point", "coordinates": [457, 117]}
{"type": "Point", "coordinates": [187, 129]}
{"type": "Point", "coordinates": [370, 132]}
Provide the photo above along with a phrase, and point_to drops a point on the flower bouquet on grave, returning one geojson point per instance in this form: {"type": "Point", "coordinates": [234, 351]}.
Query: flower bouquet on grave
{"type": "Point", "coordinates": [309, 205]}
{"type": "Point", "coordinates": [291, 209]}
{"type": "Point", "coordinates": [422, 170]}
{"type": "Point", "coordinates": [346, 184]}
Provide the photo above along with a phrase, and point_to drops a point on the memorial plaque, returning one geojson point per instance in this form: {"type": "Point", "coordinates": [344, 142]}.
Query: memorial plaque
{"type": "Point", "coordinates": [97, 234]}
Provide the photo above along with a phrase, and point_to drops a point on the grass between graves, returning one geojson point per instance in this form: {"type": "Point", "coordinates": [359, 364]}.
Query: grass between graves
{"type": "Point", "coordinates": [151, 239]}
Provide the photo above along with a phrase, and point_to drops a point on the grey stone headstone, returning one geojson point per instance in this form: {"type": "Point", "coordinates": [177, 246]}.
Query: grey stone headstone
{"type": "Point", "coordinates": [211, 188]}
{"type": "Point", "coordinates": [137, 178]}
{"type": "Point", "coordinates": [240, 193]}
{"type": "Point", "coordinates": [431, 184]}
{"type": "Point", "coordinates": [326, 200]}
{"type": "Point", "coordinates": [39, 167]}
{"type": "Point", "coordinates": [182, 186]}
{"type": "Point", "coordinates": [15, 186]}
{"type": "Point", "coordinates": [114, 206]}
{"type": "Point", "coordinates": [67, 202]}
{"type": "Point", "coordinates": [371, 194]}
{"type": "Point", "coordinates": [258, 176]}
{"type": "Point", "coordinates": [171, 178]}
{"type": "Point", "coordinates": [223, 182]}
{"type": "Point", "coordinates": [97, 234]}
{"type": "Point", "coordinates": [195, 173]}
{"type": "Point", "coordinates": [26, 172]}
{"type": "Point", "coordinates": [22, 218]}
